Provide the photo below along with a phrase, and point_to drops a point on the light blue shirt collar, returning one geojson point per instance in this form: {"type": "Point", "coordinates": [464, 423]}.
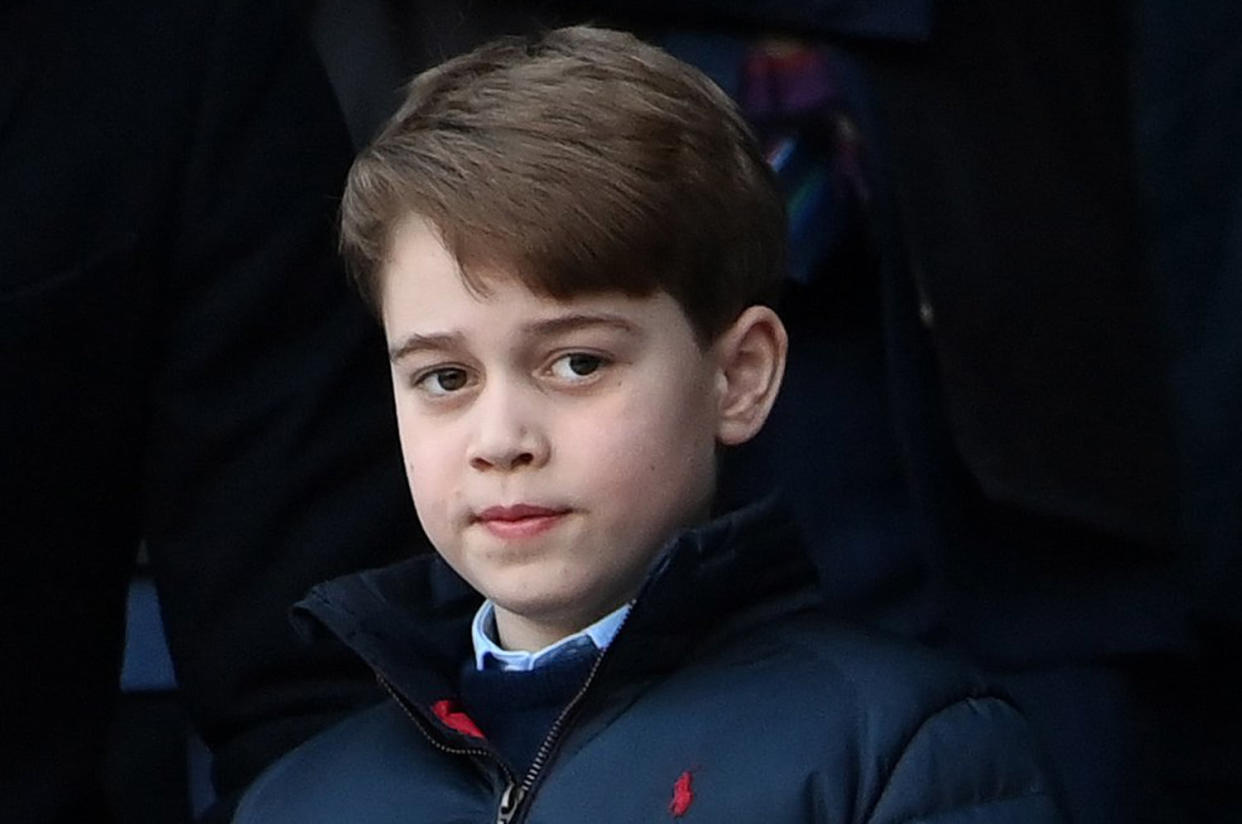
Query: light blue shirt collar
{"type": "Point", "coordinates": [483, 633]}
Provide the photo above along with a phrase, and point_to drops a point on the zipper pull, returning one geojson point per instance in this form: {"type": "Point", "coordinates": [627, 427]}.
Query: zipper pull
{"type": "Point", "coordinates": [509, 802]}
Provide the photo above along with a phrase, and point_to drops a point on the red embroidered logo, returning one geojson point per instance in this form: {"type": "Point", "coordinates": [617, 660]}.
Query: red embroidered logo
{"type": "Point", "coordinates": [683, 796]}
{"type": "Point", "coordinates": [452, 717]}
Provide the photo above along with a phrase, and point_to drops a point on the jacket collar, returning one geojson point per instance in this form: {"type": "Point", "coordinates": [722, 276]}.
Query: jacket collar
{"type": "Point", "coordinates": [411, 621]}
{"type": "Point", "coordinates": [712, 582]}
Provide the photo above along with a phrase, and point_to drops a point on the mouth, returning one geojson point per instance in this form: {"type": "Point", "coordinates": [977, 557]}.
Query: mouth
{"type": "Point", "coordinates": [519, 520]}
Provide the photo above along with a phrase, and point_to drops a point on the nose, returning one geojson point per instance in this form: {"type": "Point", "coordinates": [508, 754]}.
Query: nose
{"type": "Point", "coordinates": [508, 433]}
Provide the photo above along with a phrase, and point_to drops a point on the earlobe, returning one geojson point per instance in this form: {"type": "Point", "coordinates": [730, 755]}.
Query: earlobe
{"type": "Point", "coordinates": [751, 356]}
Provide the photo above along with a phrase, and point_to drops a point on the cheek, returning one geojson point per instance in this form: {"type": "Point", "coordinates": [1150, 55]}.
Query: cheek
{"type": "Point", "coordinates": [428, 471]}
{"type": "Point", "coordinates": [656, 448]}
{"type": "Point", "coordinates": [433, 498]}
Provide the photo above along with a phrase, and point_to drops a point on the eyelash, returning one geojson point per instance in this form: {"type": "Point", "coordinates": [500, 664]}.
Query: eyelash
{"type": "Point", "coordinates": [426, 381]}
{"type": "Point", "coordinates": [598, 362]}
{"type": "Point", "coordinates": [423, 380]}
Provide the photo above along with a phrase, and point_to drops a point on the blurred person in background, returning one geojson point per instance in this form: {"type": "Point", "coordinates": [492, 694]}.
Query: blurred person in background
{"type": "Point", "coordinates": [184, 365]}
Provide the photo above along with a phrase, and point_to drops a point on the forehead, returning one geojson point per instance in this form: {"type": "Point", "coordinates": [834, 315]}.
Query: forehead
{"type": "Point", "coordinates": [424, 294]}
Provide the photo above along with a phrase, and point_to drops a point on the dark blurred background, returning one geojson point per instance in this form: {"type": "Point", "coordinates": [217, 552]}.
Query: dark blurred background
{"type": "Point", "coordinates": [1010, 424]}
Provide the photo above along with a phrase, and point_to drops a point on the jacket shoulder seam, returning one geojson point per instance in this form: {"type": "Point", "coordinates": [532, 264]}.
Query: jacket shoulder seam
{"type": "Point", "coordinates": [913, 735]}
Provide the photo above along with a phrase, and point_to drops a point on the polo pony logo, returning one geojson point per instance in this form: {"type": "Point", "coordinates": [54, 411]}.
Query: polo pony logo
{"type": "Point", "coordinates": [683, 795]}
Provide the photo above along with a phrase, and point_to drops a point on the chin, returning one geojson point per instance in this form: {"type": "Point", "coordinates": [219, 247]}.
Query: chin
{"type": "Point", "coordinates": [543, 608]}
{"type": "Point", "coordinates": [558, 610]}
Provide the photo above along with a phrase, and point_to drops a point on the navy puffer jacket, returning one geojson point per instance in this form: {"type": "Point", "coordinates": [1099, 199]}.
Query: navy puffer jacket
{"type": "Point", "coordinates": [726, 697]}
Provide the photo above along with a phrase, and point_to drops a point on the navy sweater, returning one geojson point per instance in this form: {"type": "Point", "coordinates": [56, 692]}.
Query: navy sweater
{"type": "Point", "coordinates": [515, 710]}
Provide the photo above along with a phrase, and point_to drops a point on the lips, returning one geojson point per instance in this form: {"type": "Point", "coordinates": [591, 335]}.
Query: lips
{"type": "Point", "coordinates": [517, 512]}
{"type": "Point", "coordinates": [519, 520]}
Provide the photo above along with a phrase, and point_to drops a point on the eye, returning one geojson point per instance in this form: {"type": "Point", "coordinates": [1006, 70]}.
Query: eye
{"type": "Point", "coordinates": [443, 381]}
{"type": "Point", "coordinates": [576, 365]}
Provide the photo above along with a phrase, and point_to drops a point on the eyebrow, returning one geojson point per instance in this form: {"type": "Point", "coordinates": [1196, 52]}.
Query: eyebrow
{"type": "Point", "coordinates": [540, 328]}
{"type": "Point", "coordinates": [417, 343]}
{"type": "Point", "coordinates": [578, 320]}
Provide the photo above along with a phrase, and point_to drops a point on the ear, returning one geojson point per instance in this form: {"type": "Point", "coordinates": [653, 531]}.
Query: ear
{"type": "Point", "coordinates": [751, 362]}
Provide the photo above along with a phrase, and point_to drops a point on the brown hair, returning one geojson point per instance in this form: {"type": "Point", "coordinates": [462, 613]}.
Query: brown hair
{"type": "Point", "coordinates": [582, 161]}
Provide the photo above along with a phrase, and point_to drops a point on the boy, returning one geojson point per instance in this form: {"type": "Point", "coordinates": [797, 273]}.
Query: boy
{"type": "Point", "coordinates": [572, 242]}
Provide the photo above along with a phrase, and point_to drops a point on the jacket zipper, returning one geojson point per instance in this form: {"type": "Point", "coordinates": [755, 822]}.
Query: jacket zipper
{"type": "Point", "coordinates": [509, 802]}
{"type": "Point", "coordinates": [512, 794]}
{"type": "Point", "coordinates": [513, 812]}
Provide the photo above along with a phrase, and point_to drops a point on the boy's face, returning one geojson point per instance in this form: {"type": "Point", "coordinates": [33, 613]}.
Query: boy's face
{"type": "Point", "coordinates": [551, 447]}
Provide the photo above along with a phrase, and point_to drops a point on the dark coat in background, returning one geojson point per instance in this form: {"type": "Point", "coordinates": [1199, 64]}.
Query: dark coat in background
{"type": "Point", "coordinates": [183, 364]}
{"type": "Point", "coordinates": [727, 695]}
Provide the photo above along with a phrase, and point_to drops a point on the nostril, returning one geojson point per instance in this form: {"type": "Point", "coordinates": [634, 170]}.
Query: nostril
{"type": "Point", "coordinates": [518, 459]}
